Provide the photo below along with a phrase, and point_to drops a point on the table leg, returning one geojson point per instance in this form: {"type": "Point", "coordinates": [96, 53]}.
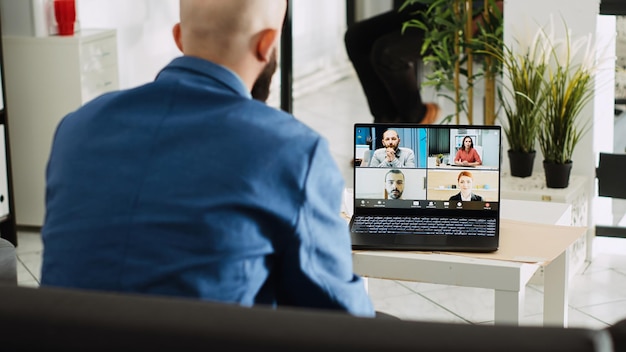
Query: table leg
{"type": "Point", "coordinates": [509, 306]}
{"type": "Point", "coordinates": [555, 295]}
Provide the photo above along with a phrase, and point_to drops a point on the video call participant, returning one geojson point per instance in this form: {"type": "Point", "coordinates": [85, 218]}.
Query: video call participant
{"type": "Point", "coordinates": [392, 155]}
{"type": "Point", "coordinates": [394, 184]}
{"type": "Point", "coordinates": [467, 154]}
{"type": "Point", "coordinates": [465, 183]}
{"type": "Point", "coordinates": [179, 216]}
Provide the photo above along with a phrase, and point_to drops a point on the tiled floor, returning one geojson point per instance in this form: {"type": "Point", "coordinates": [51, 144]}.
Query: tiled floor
{"type": "Point", "coordinates": [597, 296]}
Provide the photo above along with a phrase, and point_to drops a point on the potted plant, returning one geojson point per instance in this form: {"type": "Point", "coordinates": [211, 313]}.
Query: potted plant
{"type": "Point", "coordinates": [568, 87]}
{"type": "Point", "coordinates": [439, 159]}
{"type": "Point", "coordinates": [521, 99]}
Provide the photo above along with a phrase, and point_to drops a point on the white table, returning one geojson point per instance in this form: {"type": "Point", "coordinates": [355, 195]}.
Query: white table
{"type": "Point", "coordinates": [539, 212]}
{"type": "Point", "coordinates": [533, 188]}
{"type": "Point", "coordinates": [506, 271]}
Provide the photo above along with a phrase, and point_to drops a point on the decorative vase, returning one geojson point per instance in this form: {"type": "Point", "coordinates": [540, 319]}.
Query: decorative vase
{"type": "Point", "coordinates": [557, 175]}
{"type": "Point", "coordinates": [521, 163]}
{"type": "Point", "coordinates": [65, 15]}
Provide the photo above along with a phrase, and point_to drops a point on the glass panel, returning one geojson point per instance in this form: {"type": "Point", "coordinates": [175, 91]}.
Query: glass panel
{"type": "Point", "coordinates": [611, 212]}
{"type": "Point", "coordinates": [1, 92]}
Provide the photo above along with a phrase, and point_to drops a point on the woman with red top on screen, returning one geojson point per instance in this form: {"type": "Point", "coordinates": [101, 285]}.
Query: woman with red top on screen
{"type": "Point", "coordinates": [467, 154]}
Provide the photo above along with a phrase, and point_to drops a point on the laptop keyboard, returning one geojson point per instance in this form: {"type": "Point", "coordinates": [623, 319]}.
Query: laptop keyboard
{"type": "Point", "coordinates": [424, 225]}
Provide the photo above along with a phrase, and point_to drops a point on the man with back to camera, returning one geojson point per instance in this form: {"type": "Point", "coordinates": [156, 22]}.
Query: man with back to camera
{"type": "Point", "coordinates": [138, 198]}
{"type": "Point", "coordinates": [394, 184]}
{"type": "Point", "coordinates": [392, 155]}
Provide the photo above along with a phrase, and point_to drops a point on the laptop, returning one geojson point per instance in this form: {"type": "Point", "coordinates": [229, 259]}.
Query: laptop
{"type": "Point", "coordinates": [417, 198]}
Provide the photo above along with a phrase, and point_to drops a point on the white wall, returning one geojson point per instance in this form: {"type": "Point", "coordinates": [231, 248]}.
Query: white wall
{"type": "Point", "coordinates": [145, 41]}
{"type": "Point", "coordinates": [144, 32]}
{"type": "Point", "coordinates": [521, 18]}
{"type": "Point", "coordinates": [319, 55]}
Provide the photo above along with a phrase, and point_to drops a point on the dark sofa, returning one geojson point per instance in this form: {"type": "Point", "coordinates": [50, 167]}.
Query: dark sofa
{"type": "Point", "coordinates": [8, 262]}
{"type": "Point", "coordinates": [72, 320]}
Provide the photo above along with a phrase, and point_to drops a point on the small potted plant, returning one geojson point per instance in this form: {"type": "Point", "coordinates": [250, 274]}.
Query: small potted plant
{"type": "Point", "coordinates": [439, 159]}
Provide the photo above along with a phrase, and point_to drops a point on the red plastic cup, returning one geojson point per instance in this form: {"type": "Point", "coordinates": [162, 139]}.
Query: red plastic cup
{"type": "Point", "coordinates": [65, 14]}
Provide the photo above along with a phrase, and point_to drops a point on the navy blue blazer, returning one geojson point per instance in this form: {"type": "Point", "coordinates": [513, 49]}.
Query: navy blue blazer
{"type": "Point", "coordinates": [186, 186]}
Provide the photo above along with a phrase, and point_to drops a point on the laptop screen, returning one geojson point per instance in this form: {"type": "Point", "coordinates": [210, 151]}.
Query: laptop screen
{"type": "Point", "coordinates": [449, 171]}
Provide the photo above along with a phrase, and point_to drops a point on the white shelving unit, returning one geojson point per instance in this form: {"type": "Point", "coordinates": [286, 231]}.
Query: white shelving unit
{"type": "Point", "coordinates": [46, 78]}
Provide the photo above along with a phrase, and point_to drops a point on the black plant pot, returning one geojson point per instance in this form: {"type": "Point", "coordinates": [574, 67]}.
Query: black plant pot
{"type": "Point", "coordinates": [557, 175]}
{"type": "Point", "coordinates": [521, 163]}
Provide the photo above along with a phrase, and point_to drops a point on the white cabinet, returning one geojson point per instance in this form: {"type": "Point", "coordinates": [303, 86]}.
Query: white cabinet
{"type": "Point", "coordinates": [46, 78]}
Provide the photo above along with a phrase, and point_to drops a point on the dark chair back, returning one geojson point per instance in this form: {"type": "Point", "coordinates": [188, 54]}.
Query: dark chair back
{"type": "Point", "coordinates": [610, 175]}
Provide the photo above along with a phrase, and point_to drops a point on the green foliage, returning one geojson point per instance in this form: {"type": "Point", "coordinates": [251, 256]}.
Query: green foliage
{"type": "Point", "coordinates": [524, 98]}
{"type": "Point", "coordinates": [547, 92]}
{"type": "Point", "coordinates": [568, 88]}
{"type": "Point", "coordinates": [443, 22]}
{"type": "Point", "coordinates": [440, 25]}
{"type": "Point", "coordinates": [567, 93]}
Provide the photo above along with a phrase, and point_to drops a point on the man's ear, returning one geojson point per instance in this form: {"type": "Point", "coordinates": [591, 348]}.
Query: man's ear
{"type": "Point", "coordinates": [178, 37]}
{"type": "Point", "coordinates": [267, 40]}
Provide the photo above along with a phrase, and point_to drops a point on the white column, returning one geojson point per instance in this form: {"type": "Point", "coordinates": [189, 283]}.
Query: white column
{"type": "Point", "coordinates": [601, 208]}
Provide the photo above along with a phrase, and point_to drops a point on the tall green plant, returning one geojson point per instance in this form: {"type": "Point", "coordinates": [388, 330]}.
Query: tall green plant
{"type": "Point", "coordinates": [523, 97]}
{"type": "Point", "coordinates": [568, 93]}
{"type": "Point", "coordinates": [568, 88]}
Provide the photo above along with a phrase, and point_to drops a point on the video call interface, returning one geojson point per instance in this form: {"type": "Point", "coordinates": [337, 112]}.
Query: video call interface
{"type": "Point", "coordinates": [422, 167]}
